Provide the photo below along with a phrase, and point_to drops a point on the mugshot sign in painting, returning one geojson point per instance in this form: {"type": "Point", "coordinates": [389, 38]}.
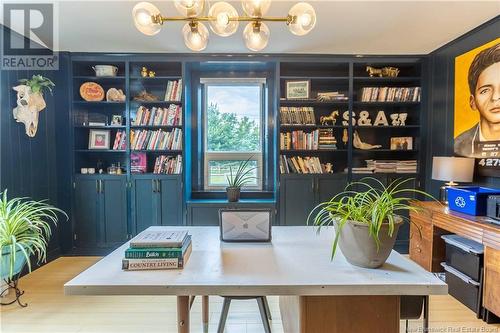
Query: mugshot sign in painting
{"type": "Point", "coordinates": [477, 107]}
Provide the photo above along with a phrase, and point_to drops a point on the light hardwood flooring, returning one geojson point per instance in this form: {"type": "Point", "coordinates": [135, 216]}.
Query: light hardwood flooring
{"type": "Point", "coordinates": [50, 311]}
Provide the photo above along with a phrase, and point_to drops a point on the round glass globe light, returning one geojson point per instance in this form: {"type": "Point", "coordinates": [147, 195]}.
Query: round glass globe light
{"type": "Point", "coordinates": [142, 14]}
{"type": "Point", "coordinates": [256, 38]}
{"type": "Point", "coordinates": [304, 19]}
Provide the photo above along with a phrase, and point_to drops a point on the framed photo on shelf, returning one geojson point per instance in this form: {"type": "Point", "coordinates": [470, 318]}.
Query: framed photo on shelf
{"type": "Point", "coordinates": [116, 120]}
{"type": "Point", "coordinates": [99, 139]}
{"type": "Point", "coordinates": [298, 89]}
{"type": "Point", "coordinates": [402, 143]}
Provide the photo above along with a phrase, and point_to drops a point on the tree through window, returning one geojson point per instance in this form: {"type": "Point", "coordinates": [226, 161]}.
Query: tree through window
{"type": "Point", "coordinates": [233, 120]}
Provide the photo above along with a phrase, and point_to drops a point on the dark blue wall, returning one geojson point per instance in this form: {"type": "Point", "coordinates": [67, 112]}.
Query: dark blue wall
{"type": "Point", "coordinates": [441, 97]}
{"type": "Point", "coordinates": [34, 167]}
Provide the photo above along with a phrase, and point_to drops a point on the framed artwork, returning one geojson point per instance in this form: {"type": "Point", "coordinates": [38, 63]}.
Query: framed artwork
{"type": "Point", "coordinates": [138, 162]}
{"type": "Point", "coordinates": [298, 89]}
{"type": "Point", "coordinates": [402, 143]}
{"type": "Point", "coordinates": [476, 116]}
{"type": "Point", "coordinates": [99, 139]}
{"type": "Point", "coordinates": [116, 120]}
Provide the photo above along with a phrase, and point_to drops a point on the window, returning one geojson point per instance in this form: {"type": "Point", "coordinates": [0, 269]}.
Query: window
{"type": "Point", "coordinates": [233, 131]}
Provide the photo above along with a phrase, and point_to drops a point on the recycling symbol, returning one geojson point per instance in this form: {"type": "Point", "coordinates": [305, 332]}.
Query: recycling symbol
{"type": "Point", "coordinates": [460, 202]}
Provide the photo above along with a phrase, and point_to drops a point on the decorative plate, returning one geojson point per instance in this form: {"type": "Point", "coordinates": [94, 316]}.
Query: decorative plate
{"type": "Point", "coordinates": [91, 92]}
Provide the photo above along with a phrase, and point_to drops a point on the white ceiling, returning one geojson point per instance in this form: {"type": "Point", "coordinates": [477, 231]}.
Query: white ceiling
{"type": "Point", "coordinates": [343, 27]}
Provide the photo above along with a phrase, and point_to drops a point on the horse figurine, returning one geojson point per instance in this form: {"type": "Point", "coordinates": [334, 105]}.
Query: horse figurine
{"type": "Point", "coordinates": [382, 72]}
{"type": "Point", "coordinates": [332, 117]}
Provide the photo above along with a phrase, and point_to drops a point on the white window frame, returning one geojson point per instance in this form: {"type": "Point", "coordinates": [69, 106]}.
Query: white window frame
{"type": "Point", "coordinates": [233, 155]}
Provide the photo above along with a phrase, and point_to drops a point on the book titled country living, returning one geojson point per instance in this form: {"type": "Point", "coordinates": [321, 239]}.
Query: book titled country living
{"type": "Point", "coordinates": [159, 238]}
{"type": "Point", "coordinates": [158, 252]}
{"type": "Point", "coordinates": [156, 264]}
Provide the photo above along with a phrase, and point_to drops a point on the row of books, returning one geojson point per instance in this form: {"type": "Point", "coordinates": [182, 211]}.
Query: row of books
{"type": "Point", "coordinates": [156, 140]}
{"type": "Point", "coordinates": [163, 249]}
{"type": "Point", "coordinates": [299, 140]}
{"type": "Point", "coordinates": [171, 116]}
{"type": "Point", "coordinates": [168, 165]}
{"type": "Point", "coordinates": [120, 141]}
{"type": "Point", "coordinates": [297, 115]}
{"type": "Point", "coordinates": [390, 94]}
{"type": "Point", "coordinates": [298, 164]}
{"type": "Point", "coordinates": [387, 166]}
{"type": "Point", "coordinates": [174, 91]}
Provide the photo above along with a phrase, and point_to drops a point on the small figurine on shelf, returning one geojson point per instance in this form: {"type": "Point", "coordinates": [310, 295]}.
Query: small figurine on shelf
{"type": "Point", "coordinates": [144, 72]}
{"type": "Point", "coordinates": [328, 168]}
{"type": "Point", "coordinates": [345, 137]}
{"type": "Point", "coordinates": [382, 72]}
{"type": "Point", "coordinates": [332, 117]}
{"type": "Point", "coordinates": [152, 74]}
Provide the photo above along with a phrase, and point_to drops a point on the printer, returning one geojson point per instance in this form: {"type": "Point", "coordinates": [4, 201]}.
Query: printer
{"type": "Point", "coordinates": [493, 207]}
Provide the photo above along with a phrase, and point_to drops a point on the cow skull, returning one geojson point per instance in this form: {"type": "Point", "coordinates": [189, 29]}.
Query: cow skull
{"type": "Point", "coordinates": [29, 104]}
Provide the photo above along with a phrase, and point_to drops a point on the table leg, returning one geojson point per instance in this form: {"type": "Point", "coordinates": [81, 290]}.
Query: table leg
{"type": "Point", "coordinates": [204, 310]}
{"type": "Point", "coordinates": [183, 314]}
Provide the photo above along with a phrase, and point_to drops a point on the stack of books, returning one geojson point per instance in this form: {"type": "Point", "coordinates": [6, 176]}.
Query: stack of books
{"type": "Point", "coordinates": [120, 141]}
{"type": "Point", "coordinates": [297, 115]}
{"type": "Point", "coordinates": [168, 165]}
{"type": "Point", "coordinates": [156, 140]}
{"type": "Point", "coordinates": [162, 249]}
{"type": "Point", "coordinates": [326, 139]}
{"type": "Point", "coordinates": [299, 140]}
{"type": "Point", "coordinates": [390, 94]}
{"type": "Point", "coordinates": [170, 116]}
{"type": "Point", "coordinates": [408, 166]}
{"type": "Point", "coordinates": [173, 93]}
{"type": "Point", "coordinates": [392, 166]}
{"type": "Point", "coordinates": [298, 164]}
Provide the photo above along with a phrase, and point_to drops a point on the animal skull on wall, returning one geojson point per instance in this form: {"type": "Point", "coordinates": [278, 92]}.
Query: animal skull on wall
{"type": "Point", "coordinates": [29, 104]}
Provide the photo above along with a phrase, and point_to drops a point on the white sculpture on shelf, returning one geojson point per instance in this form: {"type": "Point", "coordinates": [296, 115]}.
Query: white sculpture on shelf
{"type": "Point", "coordinates": [357, 143]}
{"type": "Point", "coordinates": [364, 119]}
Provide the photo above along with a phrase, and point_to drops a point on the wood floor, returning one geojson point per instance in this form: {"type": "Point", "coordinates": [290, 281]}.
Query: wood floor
{"type": "Point", "coordinates": [52, 312]}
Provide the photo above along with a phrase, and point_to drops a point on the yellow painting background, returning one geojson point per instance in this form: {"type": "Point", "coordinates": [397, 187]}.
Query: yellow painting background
{"type": "Point", "coordinates": [465, 117]}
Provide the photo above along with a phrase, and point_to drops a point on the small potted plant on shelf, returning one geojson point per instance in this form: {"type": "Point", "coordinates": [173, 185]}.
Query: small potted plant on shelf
{"type": "Point", "coordinates": [240, 178]}
{"type": "Point", "coordinates": [367, 221]}
{"type": "Point", "coordinates": [24, 231]}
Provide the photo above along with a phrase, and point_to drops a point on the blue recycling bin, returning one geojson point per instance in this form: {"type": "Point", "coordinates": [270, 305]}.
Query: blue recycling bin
{"type": "Point", "coordinates": [469, 199]}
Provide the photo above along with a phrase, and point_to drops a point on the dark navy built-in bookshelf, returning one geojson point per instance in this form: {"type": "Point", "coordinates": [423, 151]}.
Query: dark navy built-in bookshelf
{"type": "Point", "coordinates": [108, 209]}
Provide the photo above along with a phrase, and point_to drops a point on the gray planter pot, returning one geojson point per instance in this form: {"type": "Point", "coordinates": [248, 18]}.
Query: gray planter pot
{"type": "Point", "coordinates": [233, 194]}
{"type": "Point", "coordinates": [360, 249]}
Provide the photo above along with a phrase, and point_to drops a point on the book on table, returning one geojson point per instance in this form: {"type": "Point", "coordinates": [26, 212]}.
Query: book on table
{"type": "Point", "coordinates": [161, 249]}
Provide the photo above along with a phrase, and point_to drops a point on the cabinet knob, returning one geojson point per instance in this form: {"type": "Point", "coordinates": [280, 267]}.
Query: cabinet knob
{"type": "Point", "coordinates": [419, 250]}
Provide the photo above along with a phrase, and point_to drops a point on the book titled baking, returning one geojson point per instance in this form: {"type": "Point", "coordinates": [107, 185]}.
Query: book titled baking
{"type": "Point", "coordinates": [159, 238]}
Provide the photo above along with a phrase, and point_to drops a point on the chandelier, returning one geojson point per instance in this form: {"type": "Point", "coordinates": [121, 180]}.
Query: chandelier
{"type": "Point", "coordinates": [224, 20]}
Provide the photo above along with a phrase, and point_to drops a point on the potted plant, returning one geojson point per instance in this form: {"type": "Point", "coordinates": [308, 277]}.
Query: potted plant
{"type": "Point", "coordinates": [24, 231]}
{"type": "Point", "coordinates": [366, 222]}
{"type": "Point", "coordinates": [240, 178]}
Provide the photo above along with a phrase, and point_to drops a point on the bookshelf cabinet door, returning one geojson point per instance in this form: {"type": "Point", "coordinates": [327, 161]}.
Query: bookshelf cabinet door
{"type": "Point", "coordinates": [114, 207]}
{"type": "Point", "coordinates": [403, 239]}
{"type": "Point", "coordinates": [171, 201]}
{"type": "Point", "coordinates": [145, 204]}
{"type": "Point", "coordinates": [330, 185]}
{"type": "Point", "coordinates": [86, 210]}
{"type": "Point", "coordinates": [297, 199]}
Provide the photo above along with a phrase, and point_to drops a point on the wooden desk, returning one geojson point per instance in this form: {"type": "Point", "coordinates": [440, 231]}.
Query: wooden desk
{"type": "Point", "coordinates": [428, 249]}
{"type": "Point", "coordinates": [319, 295]}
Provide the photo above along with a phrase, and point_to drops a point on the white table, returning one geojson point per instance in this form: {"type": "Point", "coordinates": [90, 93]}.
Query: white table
{"type": "Point", "coordinates": [296, 264]}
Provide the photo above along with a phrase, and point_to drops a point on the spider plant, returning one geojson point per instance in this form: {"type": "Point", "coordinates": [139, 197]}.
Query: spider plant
{"type": "Point", "coordinates": [373, 206]}
{"type": "Point", "coordinates": [242, 176]}
{"type": "Point", "coordinates": [25, 229]}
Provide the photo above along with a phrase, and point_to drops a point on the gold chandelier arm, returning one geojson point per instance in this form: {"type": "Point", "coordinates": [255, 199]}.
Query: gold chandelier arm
{"type": "Point", "coordinates": [159, 19]}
